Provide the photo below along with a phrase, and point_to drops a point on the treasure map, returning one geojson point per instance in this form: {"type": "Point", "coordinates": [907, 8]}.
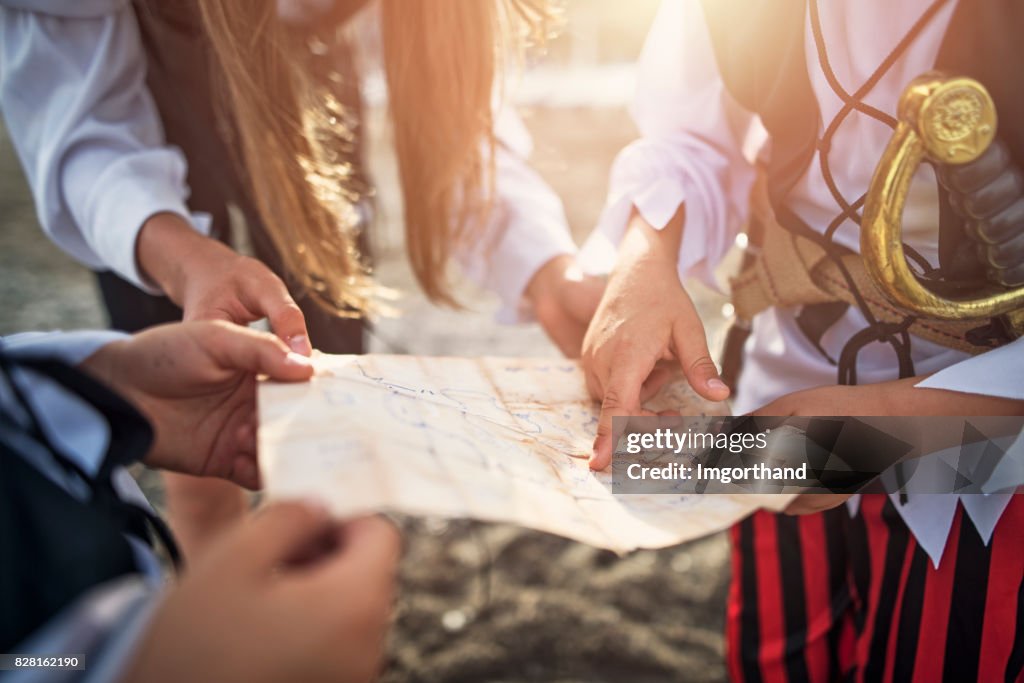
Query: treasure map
{"type": "Point", "coordinates": [495, 439]}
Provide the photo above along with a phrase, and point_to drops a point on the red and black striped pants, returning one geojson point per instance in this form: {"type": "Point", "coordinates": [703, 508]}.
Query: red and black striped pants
{"type": "Point", "coordinates": [828, 597]}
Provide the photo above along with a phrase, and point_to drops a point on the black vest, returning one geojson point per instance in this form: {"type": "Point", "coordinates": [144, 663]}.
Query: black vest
{"type": "Point", "coordinates": [55, 548]}
{"type": "Point", "coordinates": [759, 48]}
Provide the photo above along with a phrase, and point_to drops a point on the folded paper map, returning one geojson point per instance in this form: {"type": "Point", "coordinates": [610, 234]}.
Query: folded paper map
{"type": "Point", "coordinates": [496, 439]}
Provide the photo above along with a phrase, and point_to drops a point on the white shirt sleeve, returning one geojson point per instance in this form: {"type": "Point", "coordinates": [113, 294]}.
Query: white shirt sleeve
{"type": "Point", "coordinates": [527, 226]}
{"type": "Point", "coordinates": [71, 423]}
{"type": "Point", "coordinates": [106, 624]}
{"type": "Point", "coordinates": [73, 94]}
{"type": "Point", "coordinates": [68, 347]}
{"type": "Point", "coordinates": [691, 149]}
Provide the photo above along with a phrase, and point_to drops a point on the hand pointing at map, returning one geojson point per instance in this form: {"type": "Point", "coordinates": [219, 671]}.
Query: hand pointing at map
{"type": "Point", "coordinates": [497, 439]}
{"type": "Point", "coordinates": [645, 316]}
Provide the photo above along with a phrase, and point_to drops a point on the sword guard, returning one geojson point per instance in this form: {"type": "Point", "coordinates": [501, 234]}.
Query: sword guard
{"type": "Point", "coordinates": [949, 121]}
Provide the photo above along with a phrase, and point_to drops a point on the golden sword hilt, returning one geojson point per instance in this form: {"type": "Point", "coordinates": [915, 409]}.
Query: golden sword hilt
{"type": "Point", "coordinates": [947, 121]}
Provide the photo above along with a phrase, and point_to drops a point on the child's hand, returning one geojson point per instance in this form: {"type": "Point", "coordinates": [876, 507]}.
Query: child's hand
{"type": "Point", "coordinates": [825, 401]}
{"type": "Point", "coordinates": [899, 397]}
{"type": "Point", "coordinates": [210, 281]}
{"type": "Point", "coordinates": [644, 316]}
{"type": "Point", "coordinates": [196, 382]}
{"type": "Point", "coordinates": [287, 595]}
{"type": "Point", "coordinates": [811, 503]}
{"type": "Point", "coordinates": [564, 300]}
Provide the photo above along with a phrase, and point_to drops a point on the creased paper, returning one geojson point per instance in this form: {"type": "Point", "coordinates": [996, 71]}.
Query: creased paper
{"type": "Point", "coordinates": [496, 439]}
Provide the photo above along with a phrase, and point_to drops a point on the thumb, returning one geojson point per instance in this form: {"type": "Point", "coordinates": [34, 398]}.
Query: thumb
{"type": "Point", "coordinates": [362, 572]}
{"type": "Point", "coordinates": [371, 547]}
{"type": "Point", "coordinates": [279, 532]}
{"type": "Point", "coordinates": [691, 347]}
{"type": "Point", "coordinates": [255, 352]}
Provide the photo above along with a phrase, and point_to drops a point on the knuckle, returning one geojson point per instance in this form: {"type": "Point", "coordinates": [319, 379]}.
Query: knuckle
{"type": "Point", "coordinates": [209, 332]}
{"type": "Point", "coordinates": [249, 268]}
{"type": "Point", "coordinates": [223, 331]}
{"type": "Point", "coordinates": [625, 350]}
{"type": "Point", "coordinates": [702, 365]}
{"type": "Point", "coordinates": [203, 314]}
{"type": "Point", "coordinates": [612, 400]}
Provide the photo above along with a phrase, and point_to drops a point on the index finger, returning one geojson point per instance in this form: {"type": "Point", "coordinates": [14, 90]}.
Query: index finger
{"type": "Point", "coordinates": [269, 297]}
{"type": "Point", "coordinates": [621, 398]}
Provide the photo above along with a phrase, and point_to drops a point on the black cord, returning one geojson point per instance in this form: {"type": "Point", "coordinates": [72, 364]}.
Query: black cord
{"type": "Point", "coordinates": [894, 334]}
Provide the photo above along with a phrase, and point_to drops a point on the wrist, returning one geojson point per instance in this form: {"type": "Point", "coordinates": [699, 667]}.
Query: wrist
{"type": "Point", "coordinates": [166, 246]}
{"type": "Point", "coordinates": [103, 365]}
{"type": "Point", "coordinates": [543, 285]}
{"type": "Point", "coordinates": [112, 366]}
{"type": "Point", "coordinates": [643, 244]}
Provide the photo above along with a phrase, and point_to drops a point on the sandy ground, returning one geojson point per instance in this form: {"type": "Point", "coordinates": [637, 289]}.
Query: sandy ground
{"type": "Point", "coordinates": [479, 602]}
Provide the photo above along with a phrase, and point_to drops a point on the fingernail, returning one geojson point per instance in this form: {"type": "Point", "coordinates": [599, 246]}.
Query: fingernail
{"type": "Point", "coordinates": [716, 385]}
{"type": "Point", "coordinates": [297, 360]}
{"type": "Point", "coordinates": [300, 344]}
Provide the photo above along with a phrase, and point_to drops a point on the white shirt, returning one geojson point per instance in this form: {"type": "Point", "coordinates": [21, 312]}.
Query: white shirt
{"type": "Point", "coordinates": [697, 147]}
{"type": "Point", "coordinates": [74, 96]}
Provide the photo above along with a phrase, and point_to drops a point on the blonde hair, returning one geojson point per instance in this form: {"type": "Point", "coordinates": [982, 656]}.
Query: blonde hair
{"type": "Point", "coordinates": [441, 58]}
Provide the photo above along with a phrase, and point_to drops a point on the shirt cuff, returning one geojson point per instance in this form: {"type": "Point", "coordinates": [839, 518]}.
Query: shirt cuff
{"type": "Point", "coordinates": [520, 261]}
{"type": "Point", "coordinates": [106, 625]}
{"type": "Point", "coordinates": [507, 268]}
{"type": "Point", "coordinates": [79, 9]}
{"type": "Point", "coordinates": [127, 194]}
{"type": "Point", "coordinates": [69, 347]}
{"type": "Point", "coordinates": [528, 228]}
{"type": "Point", "coordinates": [654, 177]}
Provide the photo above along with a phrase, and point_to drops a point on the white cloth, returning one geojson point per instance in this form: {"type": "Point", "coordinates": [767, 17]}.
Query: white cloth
{"type": "Point", "coordinates": [527, 229]}
{"type": "Point", "coordinates": [70, 422]}
{"type": "Point", "coordinates": [697, 148]}
{"type": "Point", "coordinates": [74, 96]}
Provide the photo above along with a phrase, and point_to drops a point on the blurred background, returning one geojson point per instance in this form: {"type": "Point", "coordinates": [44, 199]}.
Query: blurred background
{"type": "Point", "coordinates": [482, 602]}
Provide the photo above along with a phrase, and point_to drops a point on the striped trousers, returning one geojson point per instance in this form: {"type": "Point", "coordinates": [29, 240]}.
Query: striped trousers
{"type": "Point", "coordinates": [827, 597]}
